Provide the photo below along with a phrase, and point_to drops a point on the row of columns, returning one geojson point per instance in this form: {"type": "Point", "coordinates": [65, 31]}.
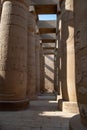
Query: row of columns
{"type": "Point", "coordinates": [19, 45]}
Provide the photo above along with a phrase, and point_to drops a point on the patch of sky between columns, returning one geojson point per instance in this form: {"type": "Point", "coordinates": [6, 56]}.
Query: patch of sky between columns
{"type": "Point", "coordinates": [47, 17]}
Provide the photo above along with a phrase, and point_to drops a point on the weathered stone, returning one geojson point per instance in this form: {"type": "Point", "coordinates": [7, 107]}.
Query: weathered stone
{"type": "Point", "coordinates": [31, 22]}
{"type": "Point", "coordinates": [56, 71]}
{"type": "Point", "coordinates": [59, 52]}
{"type": "Point", "coordinates": [13, 54]}
{"type": "Point", "coordinates": [81, 57]}
{"type": "Point", "coordinates": [37, 62]}
{"type": "Point", "coordinates": [31, 92]}
{"type": "Point", "coordinates": [49, 73]}
{"type": "Point", "coordinates": [0, 10]}
{"type": "Point", "coordinates": [68, 53]}
{"type": "Point", "coordinates": [42, 74]}
{"type": "Point", "coordinates": [75, 124]}
{"type": "Point", "coordinates": [47, 26]}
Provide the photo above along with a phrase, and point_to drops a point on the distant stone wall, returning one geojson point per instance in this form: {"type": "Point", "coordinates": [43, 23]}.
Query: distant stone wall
{"type": "Point", "coordinates": [49, 73]}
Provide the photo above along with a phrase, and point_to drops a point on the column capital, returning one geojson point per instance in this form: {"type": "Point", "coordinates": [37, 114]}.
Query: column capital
{"type": "Point", "coordinates": [31, 22]}
{"type": "Point", "coordinates": [25, 2]}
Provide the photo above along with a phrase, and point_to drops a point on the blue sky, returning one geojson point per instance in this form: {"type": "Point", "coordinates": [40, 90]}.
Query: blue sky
{"type": "Point", "coordinates": [47, 17]}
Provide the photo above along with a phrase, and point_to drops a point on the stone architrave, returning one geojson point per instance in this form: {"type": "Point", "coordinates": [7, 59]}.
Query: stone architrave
{"type": "Point", "coordinates": [13, 55]}
{"type": "Point", "coordinates": [31, 86]}
{"type": "Point", "coordinates": [68, 58]}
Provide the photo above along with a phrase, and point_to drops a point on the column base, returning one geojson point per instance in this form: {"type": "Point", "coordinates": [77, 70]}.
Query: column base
{"type": "Point", "coordinates": [60, 102]}
{"type": "Point", "coordinates": [14, 105]}
{"type": "Point", "coordinates": [70, 107]}
{"type": "Point", "coordinates": [75, 124]}
{"type": "Point", "coordinates": [32, 97]}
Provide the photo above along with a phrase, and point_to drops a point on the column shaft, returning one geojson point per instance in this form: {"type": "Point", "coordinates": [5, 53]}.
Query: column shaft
{"type": "Point", "coordinates": [68, 52]}
{"type": "Point", "coordinates": [0, 10]}
{"type": "Point", "coordinates": [81, 56]}
{"type": "Point", "coordinates": [13, 53]}
{"type": "Point", "coordinates": [68, 58]}
{"type": "Point", "coordinates": [37, 59]}
{"type": "Point", "coordinates": [31, 57]}
{"type": "Point", "coordinates": [59, 52]}
{"type": "Point", "coordinates": [42, 70]}
{"type": "Point", "coordinates": [56, 72]}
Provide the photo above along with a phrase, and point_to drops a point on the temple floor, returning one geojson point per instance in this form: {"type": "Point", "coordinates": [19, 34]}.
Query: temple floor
{"type": "Point", "coordinates": [41, 115]}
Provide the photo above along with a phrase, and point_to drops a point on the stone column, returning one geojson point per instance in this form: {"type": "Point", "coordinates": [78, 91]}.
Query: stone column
{"type": "Point", "coordinates": [56, 72]}
{"type": "Point", "coordinates": [31, 57]}
{"type": "Point", "coordinates": [13, 55]}
{"type": "Point", "coordinates": [0, 10]}
{"type": "Point", "coordinates": [42, 70]}
{"type": "Point", "coordinates": [68, 58]}
{"type": "Point", "coordinates": [37, 60]}
{"type": "Point", "coordinates": [59, 61]}
{"type": "Point", "coordinates": [80, 122]}
{"type": "Point", "coordinates": [59, 52]}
